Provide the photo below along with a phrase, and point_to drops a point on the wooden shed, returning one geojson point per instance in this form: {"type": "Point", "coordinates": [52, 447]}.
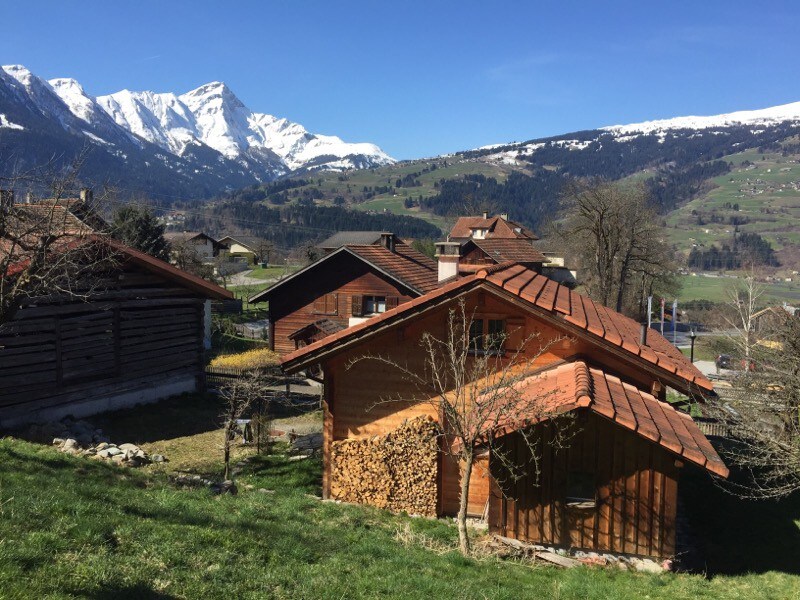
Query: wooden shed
{"type": "Point", "coordinates": [134, 333]}
{"type": "Point", "coordinates": [612, 488]}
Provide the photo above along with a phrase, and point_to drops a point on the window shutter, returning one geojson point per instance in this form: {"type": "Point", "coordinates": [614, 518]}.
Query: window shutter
{"type": "Point", "coordinates": [332, 305]}
{"type": "Point", "coordinates": [392, 302]}
{"type": "Point", "coordinates": [357, 305]}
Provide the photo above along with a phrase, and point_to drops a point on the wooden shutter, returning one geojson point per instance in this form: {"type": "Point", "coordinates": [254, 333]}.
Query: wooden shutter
{"type": "Point", "coordinates": [392, 302]}
{"type": "Point", "coordinates": [357, 305]}
{"type": "Point", "coordinates": [332, 304]}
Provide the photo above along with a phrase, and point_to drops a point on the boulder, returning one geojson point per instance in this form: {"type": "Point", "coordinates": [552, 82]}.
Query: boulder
{"type": "Point", "coordinates": [70, 444]}
{"type": "Point", "coordinates": [158, 458]}
{"type": "Point", "coordinates": [128, 447]}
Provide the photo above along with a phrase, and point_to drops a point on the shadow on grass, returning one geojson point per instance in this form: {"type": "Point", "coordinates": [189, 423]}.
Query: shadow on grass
{"type": "Point", "coordinates": [179, 416]}
{"type": "Point", "coordinates": [138, 591]}
{"type": "Point", "coordinates": [742, 536]}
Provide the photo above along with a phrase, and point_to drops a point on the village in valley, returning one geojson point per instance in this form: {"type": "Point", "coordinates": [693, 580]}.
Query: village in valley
{"type": "Point", "coordinates": [240, 359]}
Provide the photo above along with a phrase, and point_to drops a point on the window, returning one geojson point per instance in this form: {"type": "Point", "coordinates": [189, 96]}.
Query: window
{"type": "Point", "coordinates": [580, 489]}
{"type": "Point", "coordinates": [374, 304]}
{"type": "Point", "coordinates": [327, 304]}
{"type": "Point", "coordinates": [479, 234]}
{"type": "Point", "coordinates": [486, 336]}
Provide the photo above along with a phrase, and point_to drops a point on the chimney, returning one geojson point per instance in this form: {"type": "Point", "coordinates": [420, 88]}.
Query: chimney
{"type": "Point", "coordinates": [29, 198]}
{"type": "Point", "coordinates": [504, 216]}
{"type": "Point", "coordinates": [485, 214]}
{"type": "Point", "coordinates": [6, 199]}
{"type": "Point", "coordinates": [448, 255]}
{"type": "Point", "coordinates": [387, 241]}
{"type": "Point", "coordinates": [643, 335]}
{"type": "Point", "coordinates": [87, 195]}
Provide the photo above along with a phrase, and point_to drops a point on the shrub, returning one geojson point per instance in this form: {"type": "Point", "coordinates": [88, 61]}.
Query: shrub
{"type": "Point", "coordinates": [252, 359]}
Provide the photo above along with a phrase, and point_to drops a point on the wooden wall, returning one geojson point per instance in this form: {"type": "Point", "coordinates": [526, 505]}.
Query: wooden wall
{"type": "Point", "coordinates": [134, 327]}
{"type": "Point", "coordinates": [292, 307]}
{"type": "Point", "coordinates": [635, 486]}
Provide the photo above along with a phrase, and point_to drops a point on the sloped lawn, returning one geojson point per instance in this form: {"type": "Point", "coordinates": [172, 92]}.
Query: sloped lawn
{"type": "Point", "coordinates": [71, 527]}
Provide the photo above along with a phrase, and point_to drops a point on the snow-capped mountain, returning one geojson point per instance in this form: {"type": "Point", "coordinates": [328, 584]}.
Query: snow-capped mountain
{"type": "Point", "coordinates": [766, 116]}
{"type": "Point", "coordinates": [207, 135]}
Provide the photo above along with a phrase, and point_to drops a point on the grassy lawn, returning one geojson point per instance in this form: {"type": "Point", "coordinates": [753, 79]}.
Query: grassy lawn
{"type": "Point", "coordinates": [714, 289]}
{"type": "Point", "coordinates": [76, 528]}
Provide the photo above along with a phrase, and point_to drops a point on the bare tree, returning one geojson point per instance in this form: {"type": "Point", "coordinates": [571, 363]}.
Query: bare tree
{"type": "Point", "coordinates": [239, 395]}
{"type": "Point", "coordinates": [761, 413]}
{"type": "Point", "coordinates": [743, 303]}
{"type": "Point", "coordinates": [615, 235]}
{"type": "Point", "coordinates": [470, 382]}
{"type": "Point", "coordinates": [264, 249]}
{"type": "Point", "coordinates": [48, 247]}
{"type": "Point", "coordinates": [185, 256]}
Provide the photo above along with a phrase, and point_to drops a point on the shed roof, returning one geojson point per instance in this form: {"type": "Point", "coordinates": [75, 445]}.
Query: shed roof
{"type": "Point", "coordinates": [574, 312]}
{"type": "Point", "coordinates": [345, 238]}
{"type": "Point", "coordinates": [578, 385]}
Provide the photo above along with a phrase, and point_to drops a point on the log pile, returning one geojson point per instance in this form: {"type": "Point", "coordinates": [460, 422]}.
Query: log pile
{"type": "Point", "coordinates": [396, 471]}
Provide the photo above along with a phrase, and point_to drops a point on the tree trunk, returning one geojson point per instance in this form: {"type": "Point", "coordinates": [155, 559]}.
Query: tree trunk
{"type": "Point", "coordinates": [227, 451]}
{"type": "Point", "coordinates": [463, 501]}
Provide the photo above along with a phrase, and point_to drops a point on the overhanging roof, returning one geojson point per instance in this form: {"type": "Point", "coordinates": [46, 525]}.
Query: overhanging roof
{"type": "Point", "coordinates": [577, 385]}
{"type": "Point", "coordinates": [555, 303]}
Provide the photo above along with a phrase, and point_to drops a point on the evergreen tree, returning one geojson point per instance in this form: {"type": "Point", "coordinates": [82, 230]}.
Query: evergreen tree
{"type": "Point", "coordinates": [138, 228]}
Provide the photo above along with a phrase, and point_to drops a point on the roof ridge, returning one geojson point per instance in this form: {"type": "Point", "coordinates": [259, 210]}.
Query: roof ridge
{"type": "Point", "coordinates": [584, 391]}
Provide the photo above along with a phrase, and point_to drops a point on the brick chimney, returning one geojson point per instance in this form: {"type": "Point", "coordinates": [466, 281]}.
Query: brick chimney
{"type": "Point", "coordinates": [448, 254]}
{"type": "Point", "coordinates": [387, 241]}
{"type": "Point", "coordinates": [6, 199]}
{"type": "Point", "coordinates": [87, 195]}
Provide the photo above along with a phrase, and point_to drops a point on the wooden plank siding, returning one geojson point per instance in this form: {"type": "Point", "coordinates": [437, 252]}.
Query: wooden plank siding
{"type": "Point", "coordinates": [635, 491]}
{"type": "Point", "coordinates": [296, 304]}
{"type": "Point", "coordinates": [138, 327]}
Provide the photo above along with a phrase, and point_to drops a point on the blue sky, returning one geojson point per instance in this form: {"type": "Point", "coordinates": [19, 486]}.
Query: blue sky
{"type": "Point", "coordinates": [424, 78]}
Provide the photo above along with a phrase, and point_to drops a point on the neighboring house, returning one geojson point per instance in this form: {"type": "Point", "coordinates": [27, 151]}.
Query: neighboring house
{"type": "Point", "coordinates": [72, 215]}
{"type": "Point", "coordinates": [495, 251]}
{"type": "Point", "coordinates": [204, 245]}
{"type": "Point", "coordinates": [351, 238]}
{"type": "Point", "coordinates": [344, 287]}
{"type": "Point", "coordinates": [614, 488]}
{"type": "Point", "coordinates": [499, 227]}
{"type": "Point", "coordinates": [243, 247]}
{"type": "Point", "coordinates": [136, 334]}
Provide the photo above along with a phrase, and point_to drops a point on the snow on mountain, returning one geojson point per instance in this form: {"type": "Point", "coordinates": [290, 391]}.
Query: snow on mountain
{"type": "Point", "coordinates": [214, 116]}
{"type": "Point", "coordinates": [208, 125]}
{"type": "Point", "coordinates": [766, 116]}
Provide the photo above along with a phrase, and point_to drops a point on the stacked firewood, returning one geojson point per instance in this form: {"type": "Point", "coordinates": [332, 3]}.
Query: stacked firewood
{"type": "Point", "coordinates": [395, 471]}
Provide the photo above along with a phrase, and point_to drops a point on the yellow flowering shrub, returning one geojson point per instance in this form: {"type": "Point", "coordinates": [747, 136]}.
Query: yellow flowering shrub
{"type": "Point", "coordinates": [252, 359]}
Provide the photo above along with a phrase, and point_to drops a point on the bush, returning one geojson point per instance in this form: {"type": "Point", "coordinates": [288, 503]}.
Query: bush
{"type": "Point", "coordinates": [252, 359]}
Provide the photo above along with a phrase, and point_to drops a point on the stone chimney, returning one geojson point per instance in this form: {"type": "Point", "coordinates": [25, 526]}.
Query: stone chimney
{"type": "Point", "coordinates": [448, 254]}
{"type": "Point", "coordinates": [29, 198]}
{"type": "Point", "coordinates": [486, 214]}
{"type": "Point", "coordinates": [6, 199]}
{"type": "Point", "coordinates": [87, 195]}
{"type": "Point", "coordinates": [387, 241]}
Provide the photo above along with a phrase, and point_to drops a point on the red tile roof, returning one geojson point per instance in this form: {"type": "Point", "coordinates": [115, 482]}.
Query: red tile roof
{"type": "Point", "coordinates": [497, 228]}
{"type": "Point", "coordinates": [513, 249]}
{"type": "Point", "coordinates": [405, 264]}
{"type": "Point", "coordinates": [581, 316]}
{"type": "Point", "coordinates": [577, 385]}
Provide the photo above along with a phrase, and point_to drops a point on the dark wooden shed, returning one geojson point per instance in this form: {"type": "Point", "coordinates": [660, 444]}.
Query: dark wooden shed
{"type": "Point", "coordinates": [136, 333]}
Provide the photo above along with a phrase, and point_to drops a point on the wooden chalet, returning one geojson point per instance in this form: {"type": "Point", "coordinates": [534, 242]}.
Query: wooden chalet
{"type": "Point", "coordinates": [613, 488]}
{"type": "Point", "coordinates": [498, 227]}
{"type": "Point", "coordinates": [203, 244]}
{"type": "Point", "coordinates": [133, 331]}
{"type": "Point", "coordinates": [344, 287]}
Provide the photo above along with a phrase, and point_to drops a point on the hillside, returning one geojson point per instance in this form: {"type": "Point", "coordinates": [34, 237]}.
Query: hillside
{"type": "Point", "coordinates": [77, 528]}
